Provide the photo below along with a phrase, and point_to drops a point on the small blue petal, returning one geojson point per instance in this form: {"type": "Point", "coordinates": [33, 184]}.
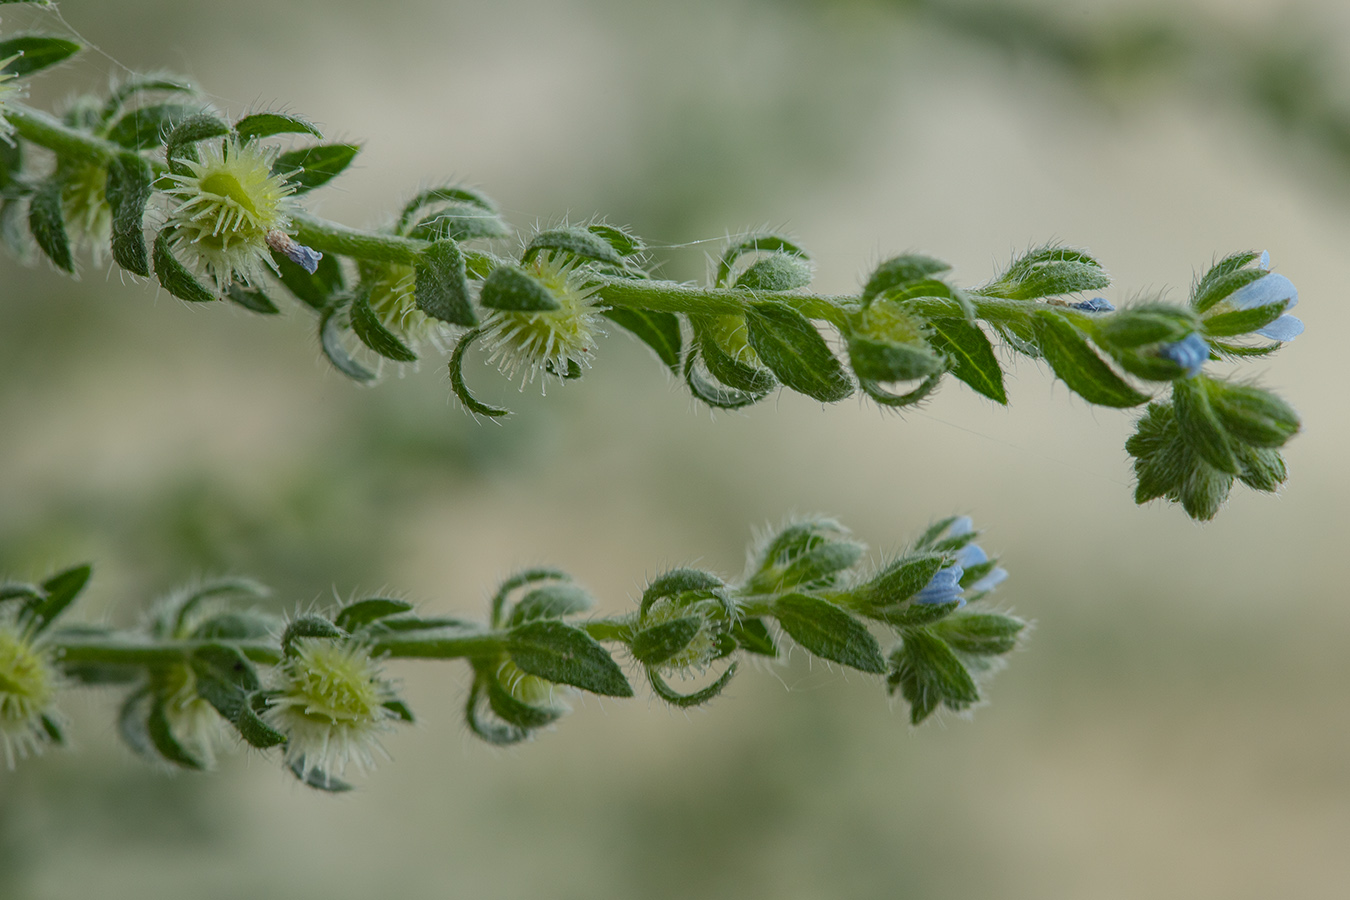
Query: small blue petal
{"type": "Point", "coordinates": [971, 555]}
{"type": "Point", "coordinates": [1265, 260]}
{"type": "Point", "coordinates": [1096, 304]}
{"type": "Point", "coordinates": [944, 587]}
{"type": "Point", "coordinates": [304, 257]}
{"type": "Point", "coordinates": [1285, 328]}
{"type": "Point", "coordinates": [1191, 353]}
{"type": "Point", "coordinates": [995, 577]}
{"type": "Point", "coordinates": [1265, 290]}
{"type": "Point", "coordinates": [961, 526]}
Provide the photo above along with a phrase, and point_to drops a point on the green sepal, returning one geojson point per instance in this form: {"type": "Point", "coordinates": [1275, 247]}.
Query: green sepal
{"type": "Point", "coordinates": [755, 243]}
{"type": "Point", "coordinates": [714, 394]}
{"type": "Point", "coordinates": [47, 224]}
{"type": "Point", "coordinates": [654, 645]}
{"type": "Point", "coordinates": [915, 615]}
{"type": "Point", "coordinates": [513, 289]}
{"type": "Point", "coordinates": [679, 581]}
{"type": "Point", "coordinates": [307, 627]}
{"type": "Point", "coordinates": [1262, 468]}
{"type": "Point", "coordinates": [658, 330]}
{"type": "Point", "coordinates": [229, 682]}
{"type": "Point", "coordinates": [173, 276]}
{"type": "Point", "coordinates": [1049, 272]}
{"type": "Point", "coordinates": [501, 735]}
{"type": "Point", "coordinates": [39, 52]}
{"type": "Point", "coordinates": [218, 587]}
{"type": "Point", "coordinates": [515, 583]}
{"type": "Point", "coordinates": [458, 194]}
{"type": "Point", "coordinates": [815, 568]}
{"type": "Point", "coordinates": [698, 698]}
{"type": "Point", "coordinates": [562, 654]}
{"type": "Point", "coordinates": [184, 137]}
{"type": "Point", "coordinates": [624, 243]}
{"type": "Point", "coordinates": [355, 616]}
{"type": "Point", "coordinates": [883, 397]}
{"type": "Point", "coordinates": [887, 361]}
{"type": "Point", "coordinates": [1243, 321]}
{"type": "Point", "coordinates": [516, 712]}
{"type": "Point", "coordinates": [401, 710]}
{"type": "Point", "coordinates": [52, 730]}
{"type": "Point", "coordinates": [139, 84]}
{"type": "Point", "coordinates": [790, 346]}
{"type": "Point", "coordinates": [1225, 277]}
{"type": "Point", "coordinates": [251, 299]}
{"type": "Point", "coordinates": [317, 289]}
{"type": "Point", "coordinates": [552, 601]}
{"type": "Point", "coordinates": [776, 272]}
{"type": "Point", "coordinates": [132, 724]}
{"type": "Point", "coordinates": [1199, 425]}
{"type": "Point", "coordinates": [1166, 465]}
{"type": "Point", "coordinates": [130, 184]}
{"type": "Point", "coordinates": [1252, 415]}
{"type": "Point", "coordinates": [970, 355]}
{"type": "Point", "coordinates": [1140, 325]}
{"type": "Point", "coordinates": [459, 222]}
{"type": "Point", "coordinates": [899, 581]}
{"type": "Point", "coordinates": [1077, 365]}
{"type": "Point", "coordinates": [161, 736]}
{"type": "Point", "coordinates": [371, 331]}
{"type": "Point", "coordinates": [928, 673]}
{"type": "Point", "coordinates": [900, 272]}
{"type": "Point", "coordinates": [754, 636]}
{"type": "Point", "coordinates": [16, 590]}
{"type": "Point", "coordinates": [317, 779]}
{"type": "Point", "coordinates": [149, 126]}
{"type": "Point", "coordinates": [799, 538]}
{"type": "Point", "coordinates": [310, 167]}
{"type": "Point", "coordinates": [57, 593]}
{"type": "Point", "coordinates": [729, 370]}
{"type": "Point", "coordinates": [828, 632]}
{"type": "Point", "coordinates": [580, 243]}
{"type": "Point", "coordinates": [442, 286]}
{"type": "Point", "coordinates": [330, 341]}
{"type": "Point", "coordinates": [234, 625]}
{"type": "Point", "coordinates": [460, 389]}
{"type": "Point", "coordinates": [980, 634]}
{"type": "Point", "coordinates": [268, 124]}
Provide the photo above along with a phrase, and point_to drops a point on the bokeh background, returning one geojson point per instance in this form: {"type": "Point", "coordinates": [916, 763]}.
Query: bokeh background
{"type": "Point", "coordinates": [1177, 725]}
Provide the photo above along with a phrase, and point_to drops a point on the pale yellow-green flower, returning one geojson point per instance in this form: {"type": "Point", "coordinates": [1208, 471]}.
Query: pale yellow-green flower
{"type": "Point", "coordinates": [28, 683]}
{"type": "Point", "coordinates": [393, 299]}
{"type": "Point", "coordinates": [11, 89]}
{"type": "Point", "coordinates": [530, 344]}
{"type": "Point", "coordinates": [84, 206]}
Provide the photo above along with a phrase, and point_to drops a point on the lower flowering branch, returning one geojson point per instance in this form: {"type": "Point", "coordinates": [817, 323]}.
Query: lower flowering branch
{"type": "Point", "coordinates": [314, 688]}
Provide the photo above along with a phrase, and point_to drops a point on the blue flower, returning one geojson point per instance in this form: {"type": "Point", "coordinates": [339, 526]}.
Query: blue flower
{"type": "Point", "coordinates": [1268, 289]}
{"type": "Point", "coordinates": [1191, 353]}
{"type": "Point", "coordinates": [1095, 305]}
{"type": "Point", "coordinates": [945, 585]}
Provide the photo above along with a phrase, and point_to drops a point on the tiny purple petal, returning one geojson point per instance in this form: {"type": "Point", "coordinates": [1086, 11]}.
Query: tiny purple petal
{"type": "Point", "coordinates": [945, 587]}
{"type": "Point", "coordinates": [1285, 328]}
{"type": "Point", "coordinates": [1096, 304]}
{"type": "Point", "coordinates": [1263, 291]}
{"type": "Point", "coordinates": [1191, 353]}
{"type": "Point", "coordinates": [971, 555]}
{"type": "Point", "coordinates": [995, 577]}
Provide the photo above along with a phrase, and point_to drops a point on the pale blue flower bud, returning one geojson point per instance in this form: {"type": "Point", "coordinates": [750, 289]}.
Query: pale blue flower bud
{"type": "Point", "coordinates": [1191, 353]}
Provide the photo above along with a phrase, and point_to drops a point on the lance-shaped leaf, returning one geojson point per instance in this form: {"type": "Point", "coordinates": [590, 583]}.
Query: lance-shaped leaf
{"type": "Point", "coordinates": [149, 126]}
{"type": "Point", "coordinates": [900, 272]}
{"type": "Point", "coordinates": [357, 615]}
{"type": "Point", "coordinates": [310, 167]}
{"type": "Point", "coordinates": [653, 646]}
{"type": "Point", "coordinates": [577, 242]}
{"type": "Point", "coordinates": [516, 712]}
{"type": "Point", "coordinates": [1200, 426]}
{"type": "Point", "coordinates": [168, 747]}
{"type": "Point", "coordinates": [182, 140]}
{"type": "Point", "coordinates": [790, 346]}
{"type": "Point", "coordinates": [927, 673]}
{"type": "Point", "coordinates": [972, 358]}
{"type": "Point", "coordinates": [552, 601]}
{"type": "Point", "coordinates": [38, 51]}
{"type": "Point", "coordinates": [755, 243]}
{"type": "Point", "coordinates": [658, 330]}
{"type": "Point", "coordinates": [330, 340]}
{"type": "Point", "coordinates": [980, 634]}
{"type": "Point", "coordinates": [753, 635]}
{"type": "Point", "coordinates": [512, 289]}
{"type": "Point", "coordinates": [776, 272]}
{"type": "Point", "coordinates": [47, 224]}
{"type": "Point", "coordinates": [714, 394]}
{"type": "Point", "coordinates": [57, 593]}
{"type": "Point", "coordinates": [442, 286]}
{"type": "Point", "coordinates": [128, 189]}
{"type": "Point", "coordinates": [267, 124]}
{"type": "Point", "coordinates": [302, 627]}
{"type": "Point", "coordinates": [501, 733]}
{"type": "Point", "coordinates": [173, 275]}
{"type": "Point", "coordinates": [252, 300]}
{"type": "Point", "coordinates": [1078, 365]}
{"type": "Point", "coordinates": [565, 655]}
{"type": "Point", "coordinates": [460, 389]}
{"type": "Point", "coordinates": [698, 698]}
{"type": "Point", "coordinates": [374, 335]}
{"type": "Point", "coordinates": [828, 632]}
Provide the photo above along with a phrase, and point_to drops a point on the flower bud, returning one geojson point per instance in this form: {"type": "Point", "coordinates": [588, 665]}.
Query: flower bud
{"type": "Point", "coordinates": [28, 683]}
{"type": "Point", "coordinates": [558, 342]}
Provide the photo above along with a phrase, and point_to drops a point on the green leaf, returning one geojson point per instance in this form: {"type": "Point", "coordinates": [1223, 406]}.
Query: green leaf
{"type": "Point", "coordinates": [972, 358]}
{"type": "Point", "coordinates": [157, 727]}
{"type": "Point", "coordinates": [459, 222]}
{"type": "Point", "coordinates": [916, 615]}
{"type": "Point", "coordinates": [1226, 276]}
{"type": "Point", "coordinates": [330, 340]}
{"type": "Point", "coordinates": [928, 673]}
{"type": "Point", "coordinates": [552, 601]}
{"type": "Point", "coordinates": [899, 272]}
{"type": "Point", "coordinates": [58, 592]}
{"type": "Point", "coordinates": [1243, 321]}
{"type": "Point", "coordinates": [577, 242]}
{"type": "Point", "coordinates": [458, 194]}
{"type": "Point", "coordinates": [790, 346]}
{"type": "Point", "coordinates": [1252, 415]}
{"type": "Point", "coordinates": [317, 289]}
{"type": "Point", "coordinates": [658, 330]}
{"type": "Point", "coordinates": [827, 631]}
{"type": "Point", "coordinates": [310, 167]}
{"type": "Point", "coordinates": [516, 712]}
{"type": "Point", "coordinates": [460, 389]}
{"type": "Point", "coordinates": [777, 272]}
{"type": "Point", "coordinates": [303, 627]}
{"type": "Point", "coordinates": [252, 300]}
{"type": "Point", "coordinates": [885, 398]}
{"type": "Point", "coordinates": [566, 655]}
{"type": "Point", "coordinates": [173, 275]}
{"type": "Point", "coordinates": [754, 636]}
{"type": "Point", "coordinates": [373, 333]}
{"type": "Point", "coordinates": [501, 735]}
{"type": "Point", "coordinates": [149, 126]}
{"type": "Point", "coordinates": [901, 580]}
{"type": "Point", "coordinates": [733, 371]}
{"type": "Point", "coordinates": [1200, 426]}
{"type": "Point", "coordinates": [138, 84]}
{"type": "Point", "coordinates": [132, 724]}
{"type": "Point", "coordinates": [442, 286]}
{"type": "Point", "coordinates": [184, 137]}
{"type": "Point", "coordinates": [39, 51]}
{"type": "Point", "coordinates": [698, 698]}
{"type": "Point", "coordinates": [217, 587]}
{"type": "Point", "coordinates": [881, 360]}
{"type": "Point", "coordinates": [262, 125]}
{"type": "Point", "coordinates": [653, 646]}
{"type": "Point", "coordinates": [356, 615]}
{"type": "Point", "coordinates": [1086, 374]}
{"type": "Point", "coordinates": [676, 582]}
{"type": "Point", "coordinates": [980, 634]}
{"type": "Point", "coordinates": [755, 243]}
{"type": "Point", "coordinates": [513, 289]}
{"type": "Point", "coordinates": [624, 244]}
{"type": "Point", "coordinates": [129, 187]}
{"type": "Point", "coordinates": [317, 779]}
{"type": "Point", "coordinates": [234, 625]}
{"type": "Point", "coordinates": [713, 394]}
{"type": "Point", "coordinates": [46, 222]}
{"type": "Point", "coordinates": [402, 710]}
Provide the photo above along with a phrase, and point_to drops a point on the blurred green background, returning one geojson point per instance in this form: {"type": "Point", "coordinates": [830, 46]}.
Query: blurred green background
{"type": "Point", "coordinates": [1177, 726]}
